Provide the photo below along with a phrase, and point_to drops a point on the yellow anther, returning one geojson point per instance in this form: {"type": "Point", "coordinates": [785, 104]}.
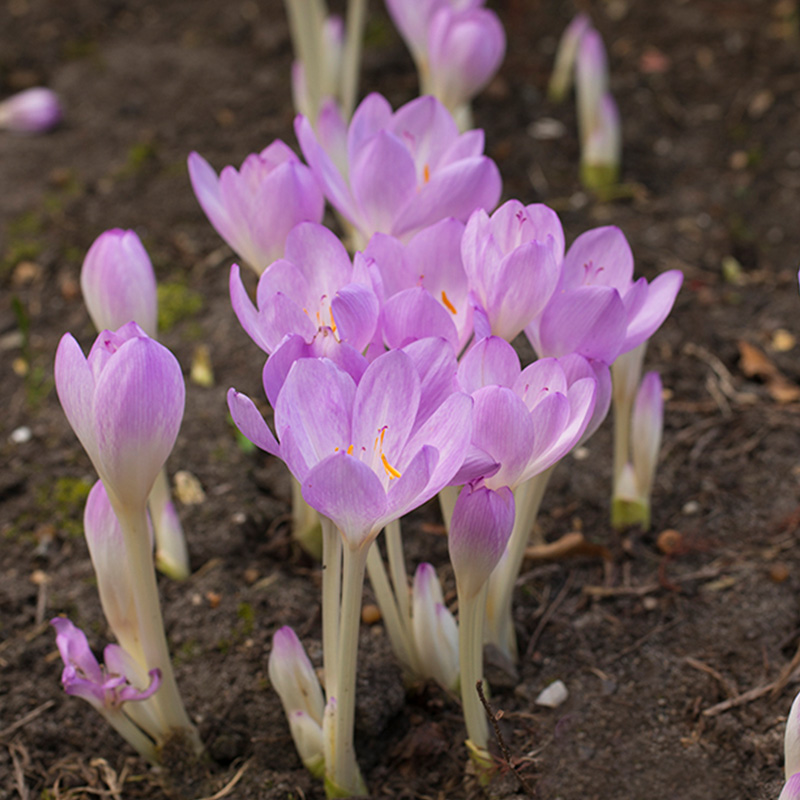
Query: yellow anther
{"type": "Point", "coordinates": [426, 173]}
{"type": "Point", "coordinates": [333, 321]}
{"type": "Point", "coordinates": [350, 450]}
{"type": "Point", "coordinates": [390, 470]}
{"type": "Point", "coordinates": [447, 304]}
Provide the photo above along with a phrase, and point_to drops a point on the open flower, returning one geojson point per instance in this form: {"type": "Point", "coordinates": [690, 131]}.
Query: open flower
{"type": "Point", "coordinates": [253, 209]}
{"type": "Point", "coordinates": [398, 172]}
{"type": "Point", "coordinates": [365, 454]}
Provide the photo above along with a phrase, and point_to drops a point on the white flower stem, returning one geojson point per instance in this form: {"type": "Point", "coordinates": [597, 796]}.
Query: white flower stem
{"type": "Point", "coordinates": [499, 620]}
{"type": "Point", "coordinates": [356, 16]}
{"type": "Point", "coordinates": [305, 24]}
{"type": "Point", "coordinates": [447, 502]}
{"type": "Point", "coordinates": [343, 773]}
{"type": "Point", "coordinates": [172, 556]}
{"type": "Point", "coordinates": [397, 568]}
{"type": "Point", "coordinates": [626, 373]}
{"type": "Point", "coordinates": [132, 734]}
{"type": "Point", "coordinates": [397, 630]}
{"type": "Point", "coordinates": [470, 659]}
{"type": "Point", "coordinates": [152, 638]}
{"type": "Point", "coordinates": [331, 601]}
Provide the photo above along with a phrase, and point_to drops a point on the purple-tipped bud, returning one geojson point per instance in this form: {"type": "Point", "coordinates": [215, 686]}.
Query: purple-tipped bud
{"type": "Point", "coordinates": [125, 403]}
{"type": "Point", "coordinates": [646, 429]}
{"type": "Point", "coordinates": [465, 49]}
{"type": "Point", "coordinates": [118, 283]}
{"type": "Point", "coordinates": [561, 80]}
{"type": "Point", "coordinates": [591, 79]}
{"type": "Point", "coordinates": [331, 52]}
{"type": "Point", "coordinates": [479, 531]}
{"type": "Point", "coordinates": [435, 630]}
{"type": "Point", "coordinates": [293, 677]}
{"type": "Point", "coordinates": [601, 153]}
{"type": "Point", "coordinates": [32, 111]}
{"type": "Point", "coordinates": [308, 739]}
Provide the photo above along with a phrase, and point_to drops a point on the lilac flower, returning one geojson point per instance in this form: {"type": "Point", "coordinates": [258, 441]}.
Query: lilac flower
{"type": "Point", "coordinates": [425, 288]}
{"type": "Point", "coordinates": [527, 420]}
{"type": "Point", "coordinates": [365, 454]}
{"type": "Point", "coordinates": [125, 404]}
{"type": "Point", "coordinates": [465, 49]}
{"type": "Point", "coordinates": [598, 311]}
{"type": "Point", "coordinates": [314, 287]}
{"type": "Point", "coordinates": [561, 79]}
{"type": "Point", "coordinates": [118, 282]}
{"type": "Point", "coordinates": [32, 111]}
{"type": "Point", "coordinates": [512, 262]}
{"type": "Point", "coordinates": [398, 172]}
{"type": "Point", "coordinates": [791, 789]}
{"type": "Point", "coordinates": [791, 740]}
{"type": "Point", "coordinates": [253, 209]}
{"type": "Point", "coordinates": [104, 687]}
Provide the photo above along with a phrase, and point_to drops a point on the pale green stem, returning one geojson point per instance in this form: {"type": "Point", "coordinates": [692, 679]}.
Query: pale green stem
{"type": "Point", "coordinates": [152, 638]}
{"type": "Point", "coordinates": [172, 556]}
{"type": "Point", "coordinates": [397, 568]}
{"type": "Point", "coordinates": [331, 600]}
{"type": "Point", "coordinates": [120, 722]}
{"type": "Point", "coordinates": [500, 625]}
{"type": "Point", "coordinates": [470, 659]}
{"type": "Point", "coordinates": [305, 522]}
{"type": "Point", "coordinates": [356, 16]}
{"type": "Point", "coordinates": [343, 773]}
{"type": "Point", "coordinates": [305, 25]}
{"type": "Point", "coordinates": [396, 629]}
{"type": "Point", "coordinates": [447, 502]}
{"type": "Point", "coordinates": [626, 373]}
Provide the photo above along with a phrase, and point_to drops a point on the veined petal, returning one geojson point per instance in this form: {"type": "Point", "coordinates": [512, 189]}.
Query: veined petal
{"type": "Point", "coordinates": [205, 184]}
{"type": "Point", "coordinates": [75, 387]}
{"type": "Point", "coordinates": [661, 296]}
{"type": "Point", "coordinates": [372, 115]}
{"type": "Point", "coordinates": [599, 257]}
{"type": "Point", "coordinates": [245, 311]}
{"type": "Point", "coordinates": [414, 314]}
{"type": "Point", "coordinates": [355, 313]}
{"type": "Point", "coordinates": [491, 361]}
{"type": "Point", "coordinates": [249, 421]}
{"type": "Point", "coordinates": [409, 490]}
{"type": "Point", "coordinates": [280, 316]}
{"type": "Point", "coordinates": [540, 379]}
{"type": "Point", "coordinates": [348, 492]}
{"type": "Point", "coordinates": [321, 258]}
{"type": "Point", "coordinates": [436, 366]}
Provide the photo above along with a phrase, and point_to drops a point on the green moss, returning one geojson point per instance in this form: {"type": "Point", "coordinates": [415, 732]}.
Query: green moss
{"type": "Point", "coordinates": [189, 650]}
{"type": "Point", "coordinates": [247, 615]}
{"type": "Point", "coordinates": [176, 302]}
{"type": "Point", "coordinates": [63, 502]}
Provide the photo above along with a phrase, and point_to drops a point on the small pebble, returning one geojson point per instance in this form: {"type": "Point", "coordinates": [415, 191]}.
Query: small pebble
{"type": "Point", "coordinates": [370, 614]}
{"type": "Point", "coordinates": [21, 435]}
{"type": "Point", "coordinates": [188, 489]}
{"type": "Point", "coordinates": [669, 541]}
{"type": "Point", "coordinates": [553, 696]}
{"type": "Point", "coordinates": [250, 575]}
{"type": "Point", "coordinates": [214, 599]}
{"type": "Point", "coordinates": [691, 508]}
{"type": "Point", "coordinates": [778, 572]}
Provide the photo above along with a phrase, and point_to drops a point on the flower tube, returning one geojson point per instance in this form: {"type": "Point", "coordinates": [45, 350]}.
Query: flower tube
{"type": "Point", "coordinates": [119, 285]}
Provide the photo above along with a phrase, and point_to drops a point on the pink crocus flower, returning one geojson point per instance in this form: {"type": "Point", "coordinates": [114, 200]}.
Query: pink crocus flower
{"type": "Point", "coordinates": [125, 404]}
{"type": "Point", "coordinates": [512, 260]}
{"type": "Point", "coordinates": [365, 454]}
{"type": "Point", "coordinates": [31, 111]}
{"type": "Point", "coordinates": [254, 208]}
{"type": "Point", "coordinates": [598, 310]}
{"type": "Point", "coordinates": [398, 172]}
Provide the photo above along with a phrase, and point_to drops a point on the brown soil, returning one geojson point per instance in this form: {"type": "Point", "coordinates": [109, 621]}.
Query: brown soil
{"type": "Point", "coordinates": [646, 643]}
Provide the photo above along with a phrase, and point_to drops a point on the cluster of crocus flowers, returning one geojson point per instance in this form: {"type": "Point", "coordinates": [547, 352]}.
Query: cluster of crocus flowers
{"type": "Point", "coordinates": [392, 379]}
{"type": "Point", "coordinates": [125, 404]}
{"type": "Point", "coordinates": [581, 49]}
{"type": "Point", "coordinates": [35, 110]}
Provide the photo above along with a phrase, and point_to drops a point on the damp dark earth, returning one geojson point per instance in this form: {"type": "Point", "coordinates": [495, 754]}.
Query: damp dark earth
{"type": "Point", "coordinates": [677, 645]}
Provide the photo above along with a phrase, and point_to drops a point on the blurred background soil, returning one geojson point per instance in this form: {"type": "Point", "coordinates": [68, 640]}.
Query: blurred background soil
{"type": "Point", "coordinates": [649, 632]}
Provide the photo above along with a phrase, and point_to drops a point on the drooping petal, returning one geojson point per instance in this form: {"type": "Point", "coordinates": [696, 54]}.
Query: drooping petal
{"type": "Point", "coordinates": [249, 421]}
{"type": "Point", "coordinates": [245, 311]}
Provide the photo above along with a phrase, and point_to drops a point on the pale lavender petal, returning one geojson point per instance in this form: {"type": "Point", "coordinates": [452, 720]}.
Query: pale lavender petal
{"type": "Point", "coordinates": [414, 314]}
{"type": "Point", "coordinates": [75, 650]}
{"type": "Point", "coordinates": [589, 320]}
{"type": "Point", "coordinates": [277, 153]}
{"type": "Point", "coordinates": [245, 310]}
{"type": "Point", "coordinates": [35, 110]}
{"type": "Point", "coordinates": [454, 191]}
{"type": "Point", "coordinates": [660, 299]}
{"type": "Point", "coordinates": [468, 145]}
{"type": "Point", "coordinates": [549, 417]}
{"type": "Point", "coordinates": [502, 426]}
{"type": "Point", "coordinates": [140, 684]}
{"type": "Point", "coordinates": [138, 407]}
{"type": "Point", "coordinates": [321, 258]}
{"type": "Point", "coordinates": [205, 184]}
{"type": "Point", "coordinates": [286, 277]}
{"type": "Point", "coordinates": [75, 387]}
{"type": "Point", "coordinates": [348, 492]}
{"type": "Point", "coordinates": [491, 361]}
{"type": "Point", "coordinates": [577, 367]}
{"type": "Point", "coordinates": [539, 379]}
{"type": "Point", "coordinates": [599, 257]}
{"type": "Point", "coordinates": [408, 491]}
{"type": "Point", "coordinates": [332, 133]}
{"type": "Point", "coordinates": [383, 178]}
{"type": "Point", "coordinates": [249, 421]}
{"type": "Point", "coordinates": [791, 789]}
{"type": "Point", "coordinates": [372, 115]}
{"type": "Point", "coordinates": [478, 464]}
{"type": "Point", "coordinates": [355, 313]}
{"type": "Point", "coordinates": [395, 267]}
{"type": "Point", "coordinates": [281, 316]}
{"type": "Point", "coordinates": [436, 366]}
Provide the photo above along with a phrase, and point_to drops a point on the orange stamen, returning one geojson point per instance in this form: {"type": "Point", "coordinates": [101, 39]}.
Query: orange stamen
{"type": "Point", "coordinates": [350, 450]}
{"type": "Point", "coordinates": [426, 173]}
{"type": "Point", "coordinates": [333, 321]}
{"type": "Point", "coordinates": [448, 305]}
{"type": "Point", "coordinates": [391, 471]}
